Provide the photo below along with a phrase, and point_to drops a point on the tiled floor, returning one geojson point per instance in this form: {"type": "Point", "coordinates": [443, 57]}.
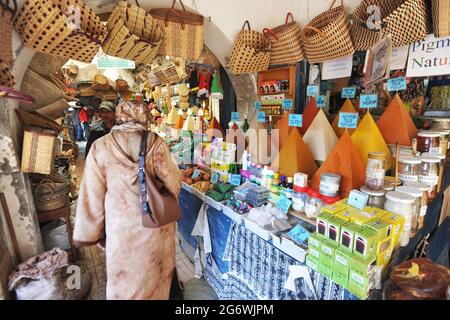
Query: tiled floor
{"type": "Point", "coordinates": [93, 259]}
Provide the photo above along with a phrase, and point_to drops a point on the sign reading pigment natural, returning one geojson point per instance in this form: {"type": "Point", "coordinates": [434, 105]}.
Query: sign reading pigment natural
{"type": "Point", "coordinates": [430, 57]}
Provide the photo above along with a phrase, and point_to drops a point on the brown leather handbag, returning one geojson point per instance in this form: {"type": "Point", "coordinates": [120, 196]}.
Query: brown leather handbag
{"type": "Point", "coordinates": [159, 207]}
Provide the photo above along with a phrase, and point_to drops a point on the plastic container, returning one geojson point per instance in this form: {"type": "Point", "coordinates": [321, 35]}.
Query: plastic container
{"type": "Point", "coordinates": [429, 174]}
{"type": "Point", "coordinates": [313, 204]}
{"type": "Point", "coordinates": [330, 200]}
{"type": "Point", "coordinates": [424, 200]}
{"type": "Point", "coordinates": [329, 184]}
{"type": "Point", "coordinates": [376, 197]}
{"type": "Point", "coordinates": [409, 168]}
{"type": "Point", "coordinates": [443, 142]}
{"type": "Point", "coordinates": [402, 204]}
{"type": "Point", "coordinates": [375, 170]}
{"type": "Point", "coordinates": [417, 194]}
{"type": "Point", "coordinates": [428, 141]}
{"type": "Point", "coordinates": [299, 198]}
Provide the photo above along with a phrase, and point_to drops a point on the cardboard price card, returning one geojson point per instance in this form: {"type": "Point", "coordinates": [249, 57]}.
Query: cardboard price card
{"type": "Point", "coordinates": [195, 174]}
{"type": "Point", "coordinates": [287, 104]}
{"type": "Point", "coordinates": [295, 120]}
{"type": "Point", "coordinates": [348, 93]}
{"type": "Point", "coordinates": [214, 178]}
{"type": "Point", "coordinates": [348, 120]}
{"type": "Point", "coordinates": [368, 101]}
{"type": "Point", "coordinates": [261, 116]}
{"type": "Point", "coordinates": [396, 84]}
{"type": "Point", "coordinates": [257, 105]}
{"type": "Point", "coordinates": [235, 116]}
{"type": "Point", "coordinates": [283, 204]}
{"type": "Point", "coordinates": [320, 101]}
{"type": "Point", "coordinates": [312, 91]}
{"type": "Point", "coordinates": [298, 234]}
{"type": "Point", "coordinates": [235, 180]}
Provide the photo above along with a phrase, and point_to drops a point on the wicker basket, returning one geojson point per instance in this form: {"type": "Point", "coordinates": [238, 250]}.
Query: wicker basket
{"type": "Point", "coordinates": [327, 36]}
{"type": "Point", "coordinates": [6, 78]}
{"type": "Point", "coordinates": [251, 52]}
{"type": "Point", "coordinates": [441, 17]}
{"type": "Point", "coordinates": [51, 193]}
{"type": "Point", "coordinates": [43, 26]}
{"type": "Point", "coordinates": [133, 34]}
{"type": "Point", "coordinates": [37, 153]}
{"type": "Point", "coordinates": [407, 21]}
{"type": "Point", "coordinates": [286, 46]}
{"type": "Point", "coordinates": [6, 26]}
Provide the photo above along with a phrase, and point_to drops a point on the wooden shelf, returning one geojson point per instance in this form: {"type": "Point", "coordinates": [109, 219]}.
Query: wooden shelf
{"type": "Point", "coordinates": [302, 216]}
{"type": "Point", "coordinates": [282, 73]}
{"type": "Point", "coordinates": [274, 94]}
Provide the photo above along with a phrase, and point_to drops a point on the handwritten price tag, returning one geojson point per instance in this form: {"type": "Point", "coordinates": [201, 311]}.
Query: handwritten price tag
{"type": "Point", "coordinates": [358, 199]}
{"type": "Point", "coordinates": [295, 120]}
{"type": "Point", "coordinates": [287, 104]}
{"type": "Point", "coordinates": [320, 101]}
{"type": "Point", "coordinates": [214, 178]}
{"type": "Point", "coordinates": [396, 84]}
{"type": "Point", "coordinates": [235, 180]}
{"type": "Point", "coordinates": [312, 91]}
{"type": "Point", "coordinates": [195, 174]}
{"type": "Point", "coordinates": [257, 105]}
{"type": "Point", "coordinates": [348, 120]}
{"type": "Point", "coordinates": [235, 116]}
{"type": "Point", "coordinates": [348, 93]}
{"type": "Point", "coordinates": [298, 234]}
{"type": "Point", "coordinates": [368, 101]}
{"type": "Point", "coordinates": [283, 204]}
{"type": "Point", "coordinates": [261, 116]}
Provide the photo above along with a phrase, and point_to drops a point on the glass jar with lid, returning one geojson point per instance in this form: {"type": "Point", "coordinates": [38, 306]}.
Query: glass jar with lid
{"type": "Point", "coordinates": [428, 141]}
{"type": "Point", "coordinates": [375, 170]}
{"type": "Point", "coordinates": [443, 141]}
{"type": "Point", "coordinates": [299, 198]}
{"type": "Point", "coordinates": [417, 194]}
{"type": "Point", "coordinates": [329, 184]}
{"type": "Point", "coordinates": [429, 174]}
{"type": "Point", "coordinates": [424, 201]}
{"type": "Point", "coordinates": [401, 203]}
{"type": "Point", "coordinates": [376, 197]}
{"type": "Point", "coordinates": [441, 172]}
{"type": "Point", "coordinates": [313, 204]}
{"type": "Point", "coordinates": [409, 168]}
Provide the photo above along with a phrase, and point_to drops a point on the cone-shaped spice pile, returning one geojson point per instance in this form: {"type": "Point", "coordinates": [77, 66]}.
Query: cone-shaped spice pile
{"type": "Point", "coordinates": [320, 137]}
{"type": "Point", "coordinates": [308, 116]}
{"type": "Point", "coordinates": [346, 107]}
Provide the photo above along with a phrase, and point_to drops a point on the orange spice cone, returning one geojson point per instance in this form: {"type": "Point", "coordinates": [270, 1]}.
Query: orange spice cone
{"type": "Point", "coordinates": [346, 161]}
{"type": "Point", "coordinates": [396, 124]}
{"type": "Point", "coordinates": [284, 129]}
{"type": "Point", "coordinates": [309, 114]}
{"type": "Point", "coordinates": [214, 124]}
{"type": "Point", "coordinates": [346, 107]}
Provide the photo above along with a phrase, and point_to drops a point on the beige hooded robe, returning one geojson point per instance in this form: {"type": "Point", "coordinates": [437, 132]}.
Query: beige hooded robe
{"type": "Point", "coordinates": [139, 261]}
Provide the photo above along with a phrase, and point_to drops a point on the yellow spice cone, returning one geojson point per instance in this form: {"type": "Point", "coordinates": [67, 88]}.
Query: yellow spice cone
{"type": "Point", "coordinates": [346, 107]}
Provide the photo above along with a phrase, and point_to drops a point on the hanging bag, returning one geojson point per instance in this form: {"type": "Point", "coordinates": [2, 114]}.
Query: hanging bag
{"type": "Point", "coordinates": [132, 34]}
{"type": "Point", "coordinates": [159, 207]}
{"type": "Point", "coordinates": [327, 36]}
{"type": "Point", "coordinates": [251, 52]}
{"type": "Point", "coordinates": [407, 21]}
{"type": "Point", "coordinates": [183, 32]}
{"type": "Point", "coordinates": [286, 46]}
{"type": "Point", "coordinates": [441, 17]}
{"type": "Point", "coordinates": [67, 28]}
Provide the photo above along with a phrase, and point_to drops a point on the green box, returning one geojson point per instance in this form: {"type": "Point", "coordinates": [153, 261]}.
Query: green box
{"type": "Point", "coordinates": [363, 266]}
{"type": "Point", "coordinates": [360, 285]}
{"type": "Point", "coordinates": [312, 262]}
{"type": "Point", "coordinates": [347, 236]}
{"type": "Point", "coordinates": [314, 241]}
{"type": "Point", "coordinates": [365, 242]}
{"type": "Point", "coordinates": [334, 228]}
{"type": "Point", "coordinates": [397, 222]}
{"type": "Point", "coordinates": [322, 224]}
{"type": "Point", "coordinates": [326, 266]}
{"type": "Point", "coordinates": [333, 208]}
{"type": "Point", "coordinates": [343, 257]}
{"type": "Point", "coordinates": [327, 249]}
{"type": "Point", "coordinates": [313, 252]}
{"type": "Point", "coordinates": [340, 274]}
{"type": "Point", "coordinates": [382, 228]}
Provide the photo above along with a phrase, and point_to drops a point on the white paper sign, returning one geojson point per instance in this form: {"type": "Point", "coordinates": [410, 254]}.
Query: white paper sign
{"type": "Point", "coordinates": [430, 57]}
{"type": "Point", "coordinates": [339, 68]}
{"type": "Point", "coordinates": [399, 57]}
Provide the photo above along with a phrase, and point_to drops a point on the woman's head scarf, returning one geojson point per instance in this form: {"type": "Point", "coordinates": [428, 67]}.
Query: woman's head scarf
{"type": "Point", "coordinates": [133, 112]}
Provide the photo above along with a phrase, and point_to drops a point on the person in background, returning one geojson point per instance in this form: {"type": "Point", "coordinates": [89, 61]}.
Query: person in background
{"type": "Point", "coordinates": [84, 119]}
{"type": "Point", "coordinates": [78, 130]}
{"type": "Point", "coordinates": [107, 112]}
{"type": "Point", "coordinates": [139, 261]}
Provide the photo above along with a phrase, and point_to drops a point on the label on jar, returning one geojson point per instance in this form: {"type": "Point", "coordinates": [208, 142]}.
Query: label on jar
{"type": "Point", "coordinates": [406, 227]}
{"type": "Point", "coordinates": [300, 180]}
{"type": "Point", "coordinates": [423, 210]}
{"type": "Point", "coordinates": [407, 177]}
{"type": "Point", "coordinates": [329, 187]}
{"type": "Point", "coordinates": [435, 150]}
{"type": "Point", "coordinates": [372, 173]}
{"type": "Point", "coordinates": [310, 210]}
{"type": "Point", "coordinates": [298, 205]}
{"type": "Point", "coordinates": [430, 180]}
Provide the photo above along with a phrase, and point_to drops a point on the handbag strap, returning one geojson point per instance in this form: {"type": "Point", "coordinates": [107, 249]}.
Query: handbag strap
{"type": "Point", "coordinates": [289, 15]}
{"type": "Point", "coordinates": [332, 4]}
{"type": "Point", "coordinates": [246, 23]}
{"type": "Point", "coordinates": [142, 176]}
{"type": "Point", "coordinates": [269, 33]}
{"type": "Point", "coordinates": [181, 2]}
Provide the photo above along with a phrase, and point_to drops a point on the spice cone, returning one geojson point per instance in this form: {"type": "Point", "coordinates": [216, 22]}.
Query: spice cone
{"type": "Point", "coordinates": [346, 107]}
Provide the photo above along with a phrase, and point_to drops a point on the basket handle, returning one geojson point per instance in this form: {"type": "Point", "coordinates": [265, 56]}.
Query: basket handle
{"type": "Point", "coordinates": [246, 23]}
{"type": "Point", "coordinates": [269, 33]}
{"type": "Point", "coordinates": [96, 41]}
{"type": "Point", "coordinates": [14, 94]}
{"type": "Point", "coordinates": [332, 4]}
{"type": "Point", "coordinates": [51, 185]}
{"type": "Point", "coordinates": [174, 11]}
{"type": "Point", "coordinates": [322, 34]}
{"type": "Point", "coordinates": [181, 2]}
{"type": "Point", "coordinates": [289, 15]}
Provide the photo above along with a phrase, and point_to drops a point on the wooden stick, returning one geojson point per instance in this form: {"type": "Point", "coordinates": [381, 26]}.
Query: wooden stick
{"type": "Point", "coordinates": [10, 227]}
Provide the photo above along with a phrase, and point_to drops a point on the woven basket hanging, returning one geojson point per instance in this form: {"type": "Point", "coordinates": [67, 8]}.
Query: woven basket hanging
{"type": "Point", "coordinates": [133, 34]}
{"type": "Point", "coordinates": [183, 32]}
{"type": "Point", "coordinates": [251, 52]}
{"type": "Point", "coordinates": [286, 45]}
{"type": "Point", "coordinates": [327, 36]}
{"type": "Point", "coordinates": [6, 25]}
{"type": "Point", "coordinates": [43, 26]}
{"type": "Point", "coordinates": [6, 78]}
{"type": "Point", "coordinates": [407, 21]}
{"type": "Point", "coordinates": [441, 17]}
